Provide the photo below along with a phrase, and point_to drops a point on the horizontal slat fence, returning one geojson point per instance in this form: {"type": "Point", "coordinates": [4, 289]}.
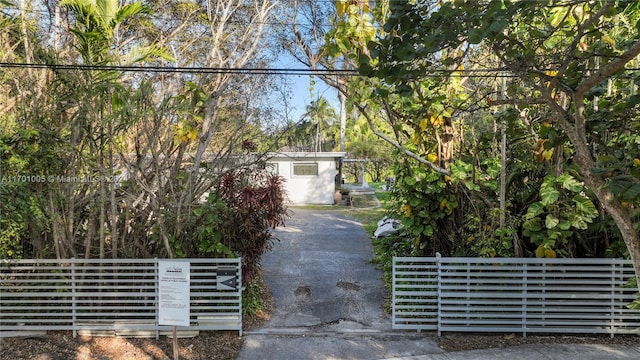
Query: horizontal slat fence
{"type": "Point", "coordinates": [110, 295]}
{"type": "Point", "coordinates": [521, 295]}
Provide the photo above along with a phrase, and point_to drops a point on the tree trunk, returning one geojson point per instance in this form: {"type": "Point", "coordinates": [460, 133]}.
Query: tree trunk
{"type": "Point", "coordinates": [343, 119]}
{"type": "Point", "coordinates": [113, 219]}
{"type": "Point", "coordinates": [54, 228]}
{"type": "Point", "coordinates": [574, 126]}
{"type": "Point", "coordinates": [620, 215]}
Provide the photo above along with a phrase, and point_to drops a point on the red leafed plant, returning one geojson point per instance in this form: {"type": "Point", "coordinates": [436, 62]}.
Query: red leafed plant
{"type": "Point", "coordinates": [255, 202]}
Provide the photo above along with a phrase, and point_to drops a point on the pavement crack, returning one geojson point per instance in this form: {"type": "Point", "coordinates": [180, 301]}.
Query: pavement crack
{"type": "Point", "coordinates": [348, 285]}
{"type": "Point", "coordinates": [338, 321]}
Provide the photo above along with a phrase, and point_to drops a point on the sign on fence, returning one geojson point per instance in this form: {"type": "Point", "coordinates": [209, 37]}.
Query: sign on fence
{"type": "Point", "coordinates": [226, 278]}
{"type": "Point", "coordinates": [174, 295]}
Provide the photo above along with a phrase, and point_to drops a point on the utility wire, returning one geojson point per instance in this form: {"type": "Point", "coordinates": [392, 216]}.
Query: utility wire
{"type": "Point", "coordinates": [185, 70]}
{"type": "Point", "coordinates": [493, 72]}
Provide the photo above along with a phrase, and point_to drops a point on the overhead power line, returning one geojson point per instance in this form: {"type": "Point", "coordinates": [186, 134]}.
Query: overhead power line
{"type": "Point", "coordinates": [184, 70]}
{"type": "Point", "coordinates": [492, 72]}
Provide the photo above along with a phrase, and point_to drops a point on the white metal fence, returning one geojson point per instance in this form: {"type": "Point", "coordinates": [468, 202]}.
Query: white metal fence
{"type": "Point", "coordinates": [118, 296]}
{"type": "Point", "coordinates": [514, 295]}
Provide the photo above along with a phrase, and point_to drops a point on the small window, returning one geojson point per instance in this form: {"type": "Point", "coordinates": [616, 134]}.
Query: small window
{"type": "Point", "coordinates": [305, 169]}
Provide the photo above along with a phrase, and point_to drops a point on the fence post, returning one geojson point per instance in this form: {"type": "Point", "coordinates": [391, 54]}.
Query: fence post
{"type": "Point", "coordinates": [156, 271]}
{"type": "Point", "coordinates": [439, 283]}
{"type": "Point", "coordinates": [525, 281]}
{"type": "Point", "coordinates": [240, 291]}
{"type": "Point", "coordinates": [393, 291]}
{"type": "Point", "coordinates": [73, 297]}
{"type": "Point", "coordinates": [612, 304]}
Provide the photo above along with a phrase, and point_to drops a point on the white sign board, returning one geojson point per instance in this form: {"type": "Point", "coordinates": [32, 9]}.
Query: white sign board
{"type": "Point", "coordinates": [174, 293]}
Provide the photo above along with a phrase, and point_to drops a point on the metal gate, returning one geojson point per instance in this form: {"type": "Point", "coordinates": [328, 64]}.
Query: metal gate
{"type": "Point", "coordinates": [521, 295]}
{"type": "Point", "coordinates": [113, 296]}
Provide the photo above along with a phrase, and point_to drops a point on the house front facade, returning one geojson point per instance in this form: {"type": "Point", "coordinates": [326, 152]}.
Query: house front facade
{"type": "Point", "coordinates": [311, 176]}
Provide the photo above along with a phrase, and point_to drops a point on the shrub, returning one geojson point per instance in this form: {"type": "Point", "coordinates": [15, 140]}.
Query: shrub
{"type": "Point", "coordinates": [236, 220]}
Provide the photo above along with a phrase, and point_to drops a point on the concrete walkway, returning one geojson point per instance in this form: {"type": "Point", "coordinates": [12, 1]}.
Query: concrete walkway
{"type": "Point", "coordinates": [329, 300]}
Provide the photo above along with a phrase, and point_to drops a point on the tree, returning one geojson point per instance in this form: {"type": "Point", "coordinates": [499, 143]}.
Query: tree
{"type": "Point", "coordinates": [166, 138]}
{"type": "Point", "coordinates": [563, 56]}
{"type": "Point", "coordinates": [321, 116]}
{"type": "Point", "coordinates": [364, 144]}
{"type": "Point", "coordinates": [99, 41]}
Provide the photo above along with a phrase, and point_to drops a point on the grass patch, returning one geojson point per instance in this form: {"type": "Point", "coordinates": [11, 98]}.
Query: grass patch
{"type": "Point", "coordinates": [369, 215]}
{"type": "Point", "coordinates": [364, 208]}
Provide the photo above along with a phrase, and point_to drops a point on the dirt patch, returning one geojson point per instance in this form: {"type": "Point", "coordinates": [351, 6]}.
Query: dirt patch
{"type": "Point", "coordinates": [463, 342]}
{"type": "Point", "coordinates": [61, 345]}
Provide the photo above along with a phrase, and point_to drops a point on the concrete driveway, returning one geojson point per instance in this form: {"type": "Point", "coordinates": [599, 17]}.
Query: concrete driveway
{"type": "Point", "coordinates": [328, 296]}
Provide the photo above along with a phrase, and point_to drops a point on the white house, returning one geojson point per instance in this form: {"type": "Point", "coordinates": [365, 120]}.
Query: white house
{"type": "Point", "coordinates": [311, 176]}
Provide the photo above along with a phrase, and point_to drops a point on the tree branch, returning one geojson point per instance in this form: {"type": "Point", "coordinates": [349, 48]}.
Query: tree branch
{"type": "Point", "coordinates": [607, 70]}
{"type": "Point", "coordinates": [407, 152]}
{"type": "Point", "coordinates": [518, 102]}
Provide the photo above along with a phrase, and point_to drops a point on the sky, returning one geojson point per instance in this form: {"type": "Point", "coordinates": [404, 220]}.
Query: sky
{"type": "Point", "coordinates": [300, 94]}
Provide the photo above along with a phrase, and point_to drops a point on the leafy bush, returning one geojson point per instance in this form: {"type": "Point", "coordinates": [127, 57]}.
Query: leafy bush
{"type": "Point", "coordinates": [237, 217]}
{"type": "Point", "coordinates": [562, 210]}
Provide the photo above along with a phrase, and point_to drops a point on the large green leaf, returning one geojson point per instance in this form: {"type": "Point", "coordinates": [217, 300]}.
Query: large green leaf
{"type": "Point", "coordinates": [551, 221]}
{"type": "Point", "coordinates": [579, 222]}
{"type": "Point", "coordinates": [570, 183]}
{"type": "Point", "coordinates": [585, 206]}
{"type": "Point", "coordinates": [632, 193]}
{"type": "Point", "coordinates": [534, 210]}
{"type": "Point", "coordinates": [564, 225]}
{"type": "Point", "coordinates": [476, 36]}
{"type": "Point", "coordinates": [531, 226]}
{"type": "Point", "coordinates": [129, 11]}
{"type": "Point", "coordinates": [548, 192]}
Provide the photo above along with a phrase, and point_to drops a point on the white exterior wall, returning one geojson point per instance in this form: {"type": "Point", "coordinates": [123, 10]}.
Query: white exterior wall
{"type": "Point", "coordinates": [308, 189]}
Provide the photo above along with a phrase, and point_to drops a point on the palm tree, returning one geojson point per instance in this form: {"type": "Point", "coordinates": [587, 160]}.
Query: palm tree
{"type": "Point", "coordinates": [321, 115]}
{"type": "Point", "coordinates": [96, 26]}
{"type": "Point", "coordinates": [96, 29]}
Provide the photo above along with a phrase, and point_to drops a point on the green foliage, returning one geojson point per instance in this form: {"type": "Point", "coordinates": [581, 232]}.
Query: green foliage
{"type": "Point", "coordinates": [352, 31]}
{"type": "Point", "coordinates": [386, 248]}
{"type": "Point", "coordinates": [97, 23]}
{"type": "Point", "coordinates": [12, 227]}
{"type": "Point", "coordinates": [425, 202]}
{"type": "Point", "coordinates": [633, 283]}
{"type": "Point", "coordinates": [27, 157]}
{"type": "Point", "coordinates": [485, 239]}
{"type": "Point", "coordinates": [208, 235]}
{"type": "Point", "coordinates": [253, 300]}
{"type": "Point", "coordinates": [235, 220]}
{"type": "Point", "coordinates": [563, 209]}
{"type": "Point", "coordinates": [549, 51]}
